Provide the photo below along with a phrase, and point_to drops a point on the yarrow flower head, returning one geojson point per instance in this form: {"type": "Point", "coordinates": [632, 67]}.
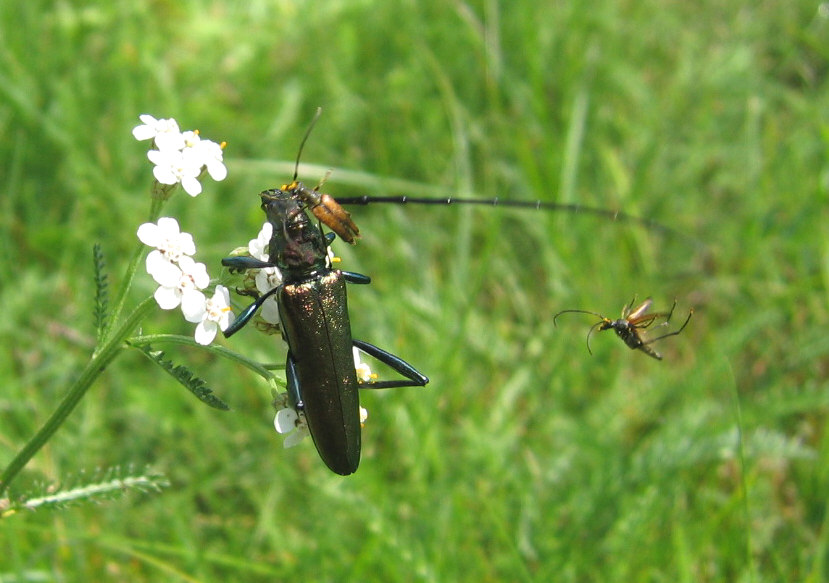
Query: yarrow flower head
{"type": "Point", "coordinates": [169, 242]}
{"type": "Point", "coordinates": [212, 315]}
{"type": "Point", "coordinates": [181, 279]}
{"type": "Point", "coordinates": [180, 157]}
{"type": "Point", "coordinates": [180, 285]}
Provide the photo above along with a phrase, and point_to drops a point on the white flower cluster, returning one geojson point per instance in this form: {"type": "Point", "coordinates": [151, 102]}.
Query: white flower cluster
{"type": "Point", "coordinates": [181, 279]}
{"type": "Point", "coordinates": [180, 157]}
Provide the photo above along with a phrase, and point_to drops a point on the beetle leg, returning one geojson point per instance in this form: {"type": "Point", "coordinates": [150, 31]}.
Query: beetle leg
{"type": "Point", "coordinates": [246, 314]}
{"type": "Point", "coordinates": [294, 395]}
{"type": "Point", "coordinates": [352, 277]}
{"type": "Point", "coordinates": [243, 262]}
{"type": "Point", "coordinates": [416, 379]}
{"type": "Point", "coordinates": [675, 332]}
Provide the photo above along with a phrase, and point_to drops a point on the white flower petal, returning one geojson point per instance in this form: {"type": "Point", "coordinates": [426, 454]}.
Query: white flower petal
{"type": "Point", "coordinates": [362, 369]}
{"type": "Point", "coordinates": [285, 420]}
{"type": "Point", "coordinates": [186, 264]}
{"type": "Point", "coordinates": [161, 130]}
{"type": "Point", "coordinates": [270, 311]}
{"type": "Point", "coordinates": [192, 159]}
{"type": "Point", "coordinates": [263, 280]}
{"type": "Point", "coordinates": [186, 243]}
{"type": "Point", "coordinates": [229, 318]}
{"type": "Point", "coordinates": [143, 132]}
{"type": "Point", "coordinates": [163, 271]}
{"type": "Point", "coordinates": [160, 158]}
{"type": "Point", "coordinates": [258, 247]}
{"type": "Point", "coordinates": [196, 272]}
{"type": "Point", "coordinates": [193, 306]}
{"type": "Point", "coordinates": [291, 422]}
{"type": "Point", "coordinates": [293, 439]}
{"type": "Point", "coordinates": [167, 239]}
{"type": "Point", "coordinates": [363, 372]}
{"type": "Point", "coordinates": [168, 227]}
{"type": "Point", "coordinates": [200, 276]}
{"type": "Point", "coordinates": [165, 175]}
{"type": "Point", "coordinates": [218, 307]}
{"type": "Point", "coordinates": [217, 171]}
{"type": "Point", "coordinates": [206, 332]}
{"type": "Point", "coordinates": [268, 278]}
{"type": "Point", "coordinates": [169, 141]}
{"type": "Point", "coordinates": [168, 298]}
{"type": "Point", "coordinates": [148, 234]}
{"type": "Point", "coordinates": [222, 295]}
{"type": "Point", "coordinates": [191, 185]}
{"type": "Point", "coordinates": [209, 155]}
{"type": "Point", "coordinates": [173, 166]}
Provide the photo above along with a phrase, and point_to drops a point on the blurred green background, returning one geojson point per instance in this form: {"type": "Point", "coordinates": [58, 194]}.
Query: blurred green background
{"type": "Point", "coordinates": [525, 459]}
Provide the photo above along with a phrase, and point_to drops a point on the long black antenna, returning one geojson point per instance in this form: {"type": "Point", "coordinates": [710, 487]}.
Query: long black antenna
{"type": "Point", "coordinates": [578, 312]}
{"type": "Point", "coordinates": [304, 139]}
{"type": "Point", "coordinates": [537, 205]}
{"type": "Point", "coordinates": [525, 204]}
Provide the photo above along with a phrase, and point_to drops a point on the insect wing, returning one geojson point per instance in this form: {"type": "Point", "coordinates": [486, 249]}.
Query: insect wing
{"type": "Point", "coordinates": [644, 321]}
{"type": "Point", "coordinates": [639, 311]}
{"type": "Point", "coordinates": [315, 322]}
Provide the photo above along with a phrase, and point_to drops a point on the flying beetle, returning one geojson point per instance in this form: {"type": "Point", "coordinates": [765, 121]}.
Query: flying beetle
{"type": "Point", "coordinates": [630, 327]}
{"type": "Point", "coordinates": [313, 309]}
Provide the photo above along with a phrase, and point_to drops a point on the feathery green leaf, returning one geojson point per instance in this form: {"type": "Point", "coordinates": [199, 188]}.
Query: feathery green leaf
{"type": "Point", "coordinates": [102, 485]}
{"type": "Point", "coordinates": [183, 375]}
{"type": "Point", "coordinates": [101, 292]}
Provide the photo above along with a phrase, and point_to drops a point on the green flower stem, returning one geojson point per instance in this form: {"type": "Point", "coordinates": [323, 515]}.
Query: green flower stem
{"type": "Point", "coordinates": [139, 252]}
{"type": "Point", "coordinates": [153, 339]}
{"type": "Point", "coordinates": [103, 355]}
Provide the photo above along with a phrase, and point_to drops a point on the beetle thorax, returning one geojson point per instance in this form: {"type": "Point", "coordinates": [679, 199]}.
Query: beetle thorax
{"type": "Point", "coordinates": [297, 246]}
